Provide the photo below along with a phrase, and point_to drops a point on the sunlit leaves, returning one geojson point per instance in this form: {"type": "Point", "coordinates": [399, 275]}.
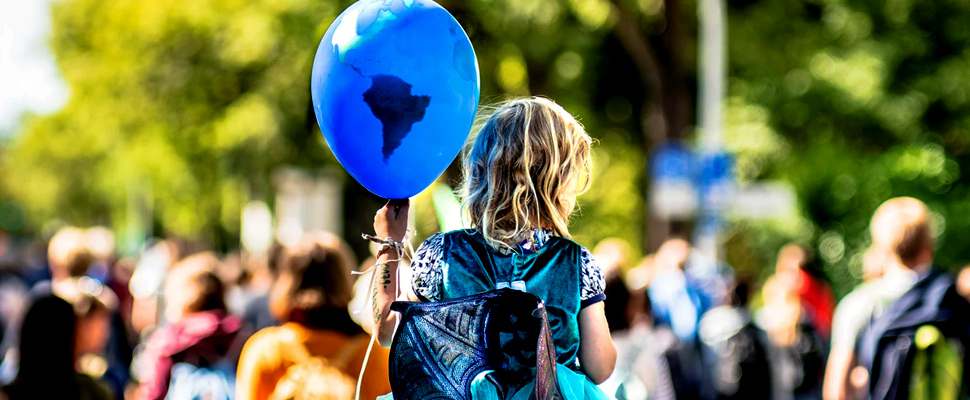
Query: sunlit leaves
{"type": "Point", "coordinates": [186, 98]}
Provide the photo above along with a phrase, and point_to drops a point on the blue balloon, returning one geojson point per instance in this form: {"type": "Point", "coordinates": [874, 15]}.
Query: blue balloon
{"type": "Point", "coordinates": [395, 89]}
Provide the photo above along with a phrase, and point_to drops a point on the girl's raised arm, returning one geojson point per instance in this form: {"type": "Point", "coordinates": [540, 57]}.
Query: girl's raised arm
{"type": "Point", "coordinates": [390, 222]}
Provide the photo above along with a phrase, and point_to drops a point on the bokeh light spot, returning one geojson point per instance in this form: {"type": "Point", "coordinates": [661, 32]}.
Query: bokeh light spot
{"type": "Point", "coordinates": [12, 216]}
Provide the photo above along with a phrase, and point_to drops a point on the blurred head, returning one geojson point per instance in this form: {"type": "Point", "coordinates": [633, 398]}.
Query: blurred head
{"type": "Point", "coordinates": [47, 341]}
{"type": "Point", "coordinates": [792, 258]}
{"type": "Point", "coordinates": [67, 255]}
{"type": "Point", "coordinates": [192, 286]}
{"type": "Point", "coordinates": [612, 254]}
{"type": "Point", "coordinates": [672, 255]}
{"type": "Point", "coordinates": [314, 280]}
{"type": "Point", "coordinates": [100, 242]}
{"type": "Point", "coordinates": [527, 165]}
{"type": "Point", "coordinates": [901, 226]}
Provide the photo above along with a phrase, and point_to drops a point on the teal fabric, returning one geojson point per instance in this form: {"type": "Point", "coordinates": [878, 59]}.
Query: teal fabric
{"type": "Point", "coordinates": [553, 273]}
{"type": "Point", "coordinates": [573, 385]}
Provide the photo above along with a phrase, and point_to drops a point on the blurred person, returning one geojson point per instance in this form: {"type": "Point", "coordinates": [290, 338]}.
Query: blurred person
{"type": "Point", "coordinates": [641, 370]}
{"type": "Point", "coordinates": [235, 270]}
{"type": "Point", "coordinates": [901, 228]}
{"type": "Point", "coordinates": [963, 282]}
{"type": "Point", "coordinates": [105, 348]}
{"type": "Point", "coordinates": [196, 353]}
{"type": "Point", "coordinates": [48, 356]}
{"type": "Point", "coordinates": [794, 266]}
{"type": "Point", "coordinates": [677, 302]}
{"type": "Point", "coordinates": [917, 347]}
{"type": "Point", "coordinates": [736, 351]}
{"type": "Point", "coordinates": [318, 340]}
{"type": "Point", "coordinates": [612, 254]}
{"type": "Point", "coordinates": [67, 256]}
{"type": "Point", "coordinates": [256, 311]}
{"type": "Point", "coordinates": [798, 350]}
{"type": "Point", "coordinates": [639, 277]}
{"type": "Point", "coordinates": [93, 320]}
{"type": "Point", "coordinates": [147, 283]}
{"type": "Point", "coordinates": [13, 305]}
{"type": "Point", "coordinates": [73, 254]}
{"type": "Point", "coordinates": [618, 310]}
{"type": "Point", "coordinates": [118, 280]}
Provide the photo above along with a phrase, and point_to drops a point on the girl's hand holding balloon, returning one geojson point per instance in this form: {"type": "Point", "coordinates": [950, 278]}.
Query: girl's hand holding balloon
{"type": "Point", "coordinates": [391, 220]}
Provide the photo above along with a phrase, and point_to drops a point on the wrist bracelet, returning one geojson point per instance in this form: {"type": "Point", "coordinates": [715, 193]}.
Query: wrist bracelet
{"type": "Point", "coordinates": [386, 244]}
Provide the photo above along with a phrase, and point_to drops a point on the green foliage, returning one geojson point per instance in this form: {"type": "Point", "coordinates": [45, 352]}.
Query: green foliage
{"type": "Point", "coordinates": [851, 101]}
{"type": "Point", "coordinates": [197, 100]}
{"type": "Point", "coordinates": [867, 100]}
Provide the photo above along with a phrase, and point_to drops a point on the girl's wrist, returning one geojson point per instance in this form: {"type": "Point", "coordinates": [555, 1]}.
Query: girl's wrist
{"type": "Point", "coordinates": [387, 256]}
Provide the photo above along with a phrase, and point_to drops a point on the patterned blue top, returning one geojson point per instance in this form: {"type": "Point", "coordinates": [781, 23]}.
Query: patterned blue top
{"type": "Point", "coordinates": [428, 265]}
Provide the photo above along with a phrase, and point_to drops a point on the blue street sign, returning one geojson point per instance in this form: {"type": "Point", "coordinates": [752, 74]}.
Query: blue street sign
{"type": "Point", "coordinates": [672, 161]}
{"type": "Point", "coordinates": [716, 181]}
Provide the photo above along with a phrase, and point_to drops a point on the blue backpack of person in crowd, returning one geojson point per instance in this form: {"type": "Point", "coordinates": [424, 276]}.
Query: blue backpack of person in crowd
{"type": "Point", "coordinates": [918, 348]}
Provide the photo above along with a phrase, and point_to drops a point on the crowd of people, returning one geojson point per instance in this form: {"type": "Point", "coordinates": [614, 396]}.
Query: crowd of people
{"type": "Point", "coordinates": [91, 326]}
{"type": "Point", "coordinates": [689, 338]}
{"type": "Point", "coordinates": [78, 322]}
{"type": "Point", "coordinates": [173, 325]}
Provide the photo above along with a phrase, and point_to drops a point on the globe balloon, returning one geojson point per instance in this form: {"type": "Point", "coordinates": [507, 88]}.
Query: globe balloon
{"type": "Point", "coordinates": [395, 89]}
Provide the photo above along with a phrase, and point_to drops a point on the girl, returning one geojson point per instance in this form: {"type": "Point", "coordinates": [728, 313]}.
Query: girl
{"type": "Point", "coordinates": [522, 176]}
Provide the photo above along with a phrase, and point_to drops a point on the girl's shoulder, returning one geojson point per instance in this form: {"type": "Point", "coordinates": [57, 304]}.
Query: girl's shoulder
{"type": "Point", "coordinates": [539, 239]}
{"type": "Point", "coordinates": [439, 240]}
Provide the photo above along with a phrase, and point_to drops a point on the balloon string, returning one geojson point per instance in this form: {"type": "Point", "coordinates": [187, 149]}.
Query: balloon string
{"type": "Point", "coordinates": [401, 249]}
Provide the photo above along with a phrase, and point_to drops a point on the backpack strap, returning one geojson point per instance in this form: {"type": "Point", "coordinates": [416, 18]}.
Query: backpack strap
{"type": "Point", "coordinates": [546, 379]}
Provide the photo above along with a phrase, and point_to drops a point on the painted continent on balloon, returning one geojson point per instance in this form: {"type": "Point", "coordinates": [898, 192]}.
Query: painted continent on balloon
{"type": "Point", "coordinates": [391, 101]}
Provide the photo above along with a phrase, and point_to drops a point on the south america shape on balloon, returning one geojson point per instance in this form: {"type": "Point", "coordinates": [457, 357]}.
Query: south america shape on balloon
{"type": "Point", "coordinates": [395, 89]}
{"type": "Point", "coordinates": [391, 101]}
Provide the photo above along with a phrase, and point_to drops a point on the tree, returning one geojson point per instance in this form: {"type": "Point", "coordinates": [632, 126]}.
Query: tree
{"type": "Point", "coordinates": [196, 100]}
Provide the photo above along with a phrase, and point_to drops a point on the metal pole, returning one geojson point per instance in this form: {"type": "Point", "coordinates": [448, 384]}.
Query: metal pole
{"type": "Point", "coordinates": [712, 67]}
{"type": "Point", "coordinates": [712, 75]}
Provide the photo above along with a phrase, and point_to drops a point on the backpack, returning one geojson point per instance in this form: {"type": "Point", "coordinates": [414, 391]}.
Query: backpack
{"type": "Point", "coordinates": [319, 377]}
{"type": "Point", "coordinates": [807, 360]}
{"type": "Point", "coordinates": [497, 339]}
{"type": "Point", "coordinates": [739, 355]}
{"type": "Point", "coordinates": [917, 349]}
{"type": "Point", "coordinates": [206, 371]}
{"type": "Point", "coordinates": [215, 382]}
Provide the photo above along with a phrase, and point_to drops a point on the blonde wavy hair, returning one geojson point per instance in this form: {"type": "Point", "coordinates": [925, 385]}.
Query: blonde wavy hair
{"type": "Point", "coordinates": [525, 161]}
